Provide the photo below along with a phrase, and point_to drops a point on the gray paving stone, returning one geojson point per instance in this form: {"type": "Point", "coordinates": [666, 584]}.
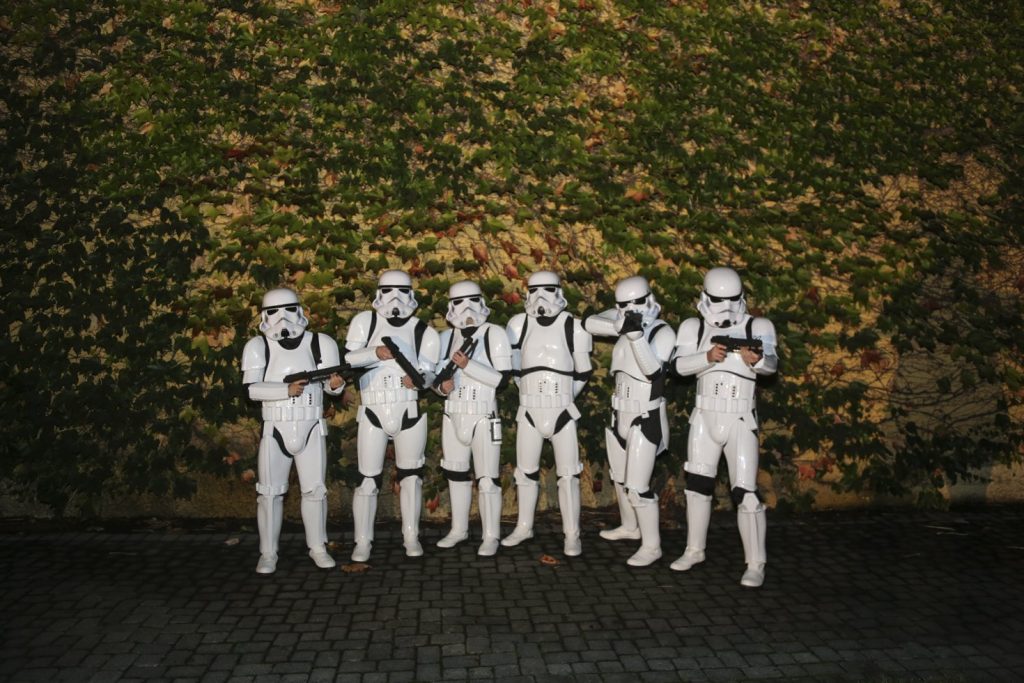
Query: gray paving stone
{"type": "Point", "coordinates": [848, 597]}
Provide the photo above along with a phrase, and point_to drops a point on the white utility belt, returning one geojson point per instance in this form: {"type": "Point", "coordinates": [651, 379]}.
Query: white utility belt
{"type": "Point", "coordinates": [292, 413]}
{"type": "Point", "coordinates": [725, 405]}
{"type": "Point", "coordinates": [629, 405]}
{"type": "Point", "coordinates": [468, 407]}
{"type": "Point", "coordinates": [377, 397]}
{"type": "Point", "coordinates": [545, 400]}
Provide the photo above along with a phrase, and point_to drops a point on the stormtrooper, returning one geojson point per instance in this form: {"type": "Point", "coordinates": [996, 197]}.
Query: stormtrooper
{"type": "Point", "coordinates": [294, 429]}
{"type": "Point", "coordinates": [551, 364]}
{"type": "Point", "coordinates": [639, 427]}
{"type": "Point", "coordinates": [725, 416]}
{"type": "Point", "coordinates": [474, 366]}
{"type": "Point", "coordinates": [390, 345]}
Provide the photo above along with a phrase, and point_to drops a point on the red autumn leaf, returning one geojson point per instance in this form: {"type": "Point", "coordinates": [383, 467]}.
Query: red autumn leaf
{"type": "Point", "coordinates": [871, 358]}
{"type": "Point", "coordinates": [812, 295]}
{"type": "Point", "coordinates": [537, 255]}
{"type": "Point", "coordinates": [355, 568]}
{"type": "Point", "coordinates": [550, 561]}
{"type": "Point", "coordinates": [807, 472]}
{"type": "Point", "coordinates": [837, 370]}
{"type": "Point", "coordinates": [512, 298]}
{"type": "Point", "coordinates": [597, 486]}
{"type": "Point", "coordinates": [433, 503]}
{"type": "Point", "coordinates": [248, 476]}
{"type": "Point", "coordinates": [511, 272]}
{"type": "Point", "coordinates": [480, 253]}
{"type": "Point", "coordinates": [236, 153]}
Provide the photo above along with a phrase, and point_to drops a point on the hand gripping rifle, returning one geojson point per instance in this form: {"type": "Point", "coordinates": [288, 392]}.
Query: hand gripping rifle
{"type": "Point", "coordinates": [414, 374]}
{"type": "Point", "coordinates": [320, 374]}
{"type": "Point", "coordinates": [468, 345]}
{"type": "Point", "coordinates": [736, 343]}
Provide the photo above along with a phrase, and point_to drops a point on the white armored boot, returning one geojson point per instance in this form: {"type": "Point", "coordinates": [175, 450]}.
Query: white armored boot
{"type": "Point", "coordinates": [750, 518]}
{"type": "Point", "coordinates": [647, 518]}
{"type": "Point", "coordinates": [698, 517]}
{"type": "Point", "coordinates": [314, 520]}
{"type": "Point", "coordinates": [364, 510]}
{"type": "Point", "coordinates": [410, 499]}
{"type": "Point", "coordinates": [528, 491]}
{"type": "Point", "coordinates": [269, 515]}
{"type": "Point", "coordinates": [490, 516]}
{"type": "Point", "coordinates": [569, 504]}
{"type": "Point", "coordinates": [461, 494]}
{"type": "Point", "coordinates": [628, 529]}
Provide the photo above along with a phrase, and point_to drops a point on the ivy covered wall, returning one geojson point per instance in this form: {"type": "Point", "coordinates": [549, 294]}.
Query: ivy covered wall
{"type": "Point", "coordinates": [165, 162]}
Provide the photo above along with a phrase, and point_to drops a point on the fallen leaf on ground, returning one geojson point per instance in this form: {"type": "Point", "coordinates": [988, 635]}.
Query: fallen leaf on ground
{"type": "Point", "coordinates": [355, 568]}
{"type": "Point", "coordinates": [233, 541]}
{"type": "Point", "coordinates": [551, 561]}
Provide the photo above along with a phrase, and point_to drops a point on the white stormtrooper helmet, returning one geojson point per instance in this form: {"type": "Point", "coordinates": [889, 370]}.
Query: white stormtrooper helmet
{"type": "Point", "coordinates": [466, 305]}
{"type": "Point", "coordinates": [544, 295]}
{"type": "Point", "coordinates": [722, 303]}
{"type": "Point", "coordinates": [634, 295]}
{"type": "Point", "coordinates": [395, 298]}
{"type": "Point", "coordinates": [281, 315]}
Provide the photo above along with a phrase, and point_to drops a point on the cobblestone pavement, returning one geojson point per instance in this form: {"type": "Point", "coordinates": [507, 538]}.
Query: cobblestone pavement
{"type": "Point", "coordinates": [877, 597]}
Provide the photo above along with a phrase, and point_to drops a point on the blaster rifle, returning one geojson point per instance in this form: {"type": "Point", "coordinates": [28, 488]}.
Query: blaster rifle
{"type": "Point", "coordinates": [468, 345]}
{"type": "Point", "coordinates": [418, 380]}
{"type": "Point", "coordinates": [345, 370]}
{"type": "Point", "coordinates": [736, 343]}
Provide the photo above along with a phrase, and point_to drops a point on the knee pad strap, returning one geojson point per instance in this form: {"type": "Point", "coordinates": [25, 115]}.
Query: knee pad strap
{"type": "Point", "coordinates": [698, 483]}
{"type": "Point", "coordinates": [457, 475]}
{"type": "Point", "coordinates": [401, 474]}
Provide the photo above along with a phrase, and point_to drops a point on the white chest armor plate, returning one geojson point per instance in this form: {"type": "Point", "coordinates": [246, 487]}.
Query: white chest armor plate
{"type": "Point", "coordinates": [308, 405]}
{"type": "Point", "coordinates": [470, 396]}
{"type": "Point", "coordinates": [726, 387]}
{"type": "Point", "coordinates": [382, 382]}
{"type": "Point", "coordinates": [545, 351]}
